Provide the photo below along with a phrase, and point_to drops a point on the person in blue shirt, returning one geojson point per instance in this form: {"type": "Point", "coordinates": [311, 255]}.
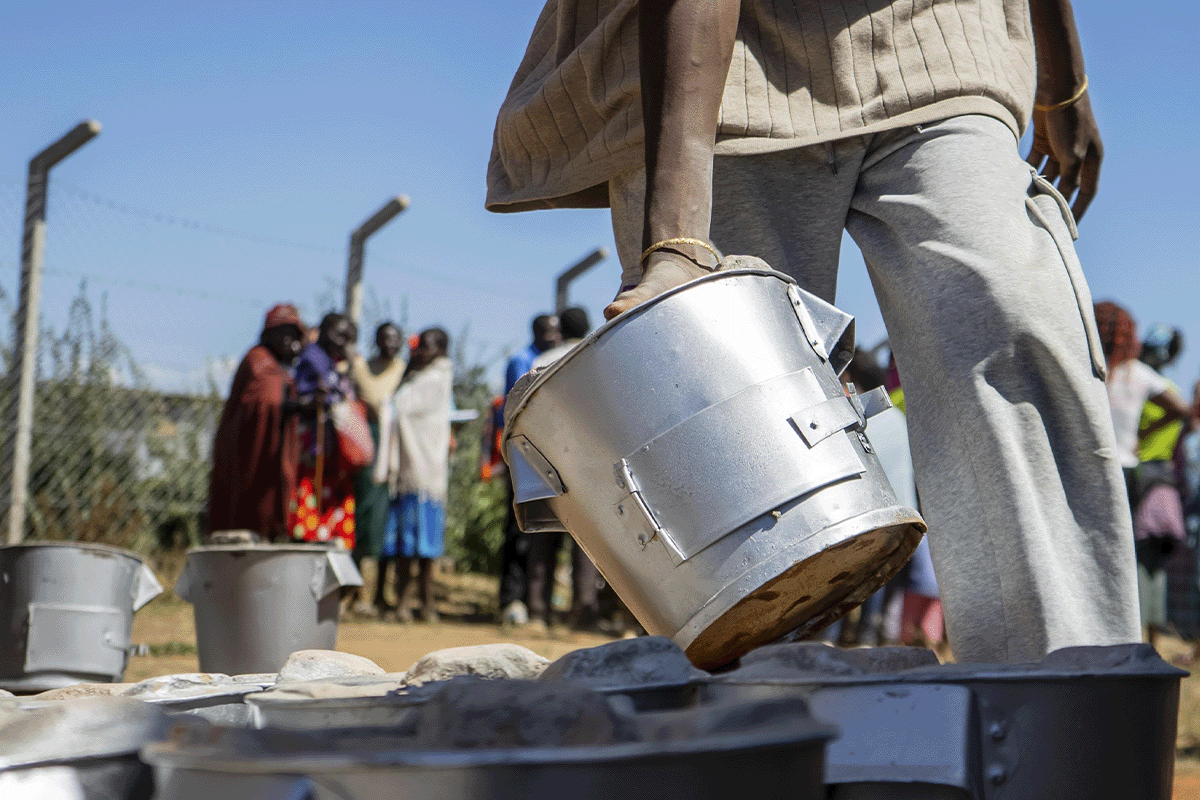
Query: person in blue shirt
{"type": "Point", "coordinates": [546, 334]}
{"type": "Point", "coordinates": [514, 579]}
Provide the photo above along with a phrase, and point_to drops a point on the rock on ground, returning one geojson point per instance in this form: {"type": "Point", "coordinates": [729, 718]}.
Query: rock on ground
{"type": "Point", "coordinates": [165, 685]}
{"type": "Point", "coordinates": [84, 690]}
{"type": "Point", "coordinates": [312, 665]}
{"type": "Point", "coordinates": [643, 661]}
{"type": "Point", "coordinates": [484, 661]}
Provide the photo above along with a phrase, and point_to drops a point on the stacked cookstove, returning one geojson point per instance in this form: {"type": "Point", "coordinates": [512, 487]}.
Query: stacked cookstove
{"type": "Point", "coordinates": [629, 719]}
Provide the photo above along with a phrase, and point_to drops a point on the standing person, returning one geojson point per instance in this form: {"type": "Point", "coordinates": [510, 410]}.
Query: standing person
{"type": "Point", "coordinates": [1157, 442]}
{"type": "Point", "coordinates": [543, 547]}
{"type": "Point", "coordinates": [255, 449]}
{"type": "Point", "coordinates": [415, 464]}
{"type": "Point", "coordinates": [768, 128]}
{"type": "Point", "coordinates": [1153, 497]}
{"type": "Point", "coordinates": [514, 586]}
{"type": "Point", "coordinates": [1131, 384]}
{"type": "Point", "coordinates": [322, 506]}
{"type": "Point", "coordinates": [375, 381]}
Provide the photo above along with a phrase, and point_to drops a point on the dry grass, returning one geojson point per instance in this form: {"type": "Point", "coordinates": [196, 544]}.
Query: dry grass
{"type": "Point", "coordinates": [166, 626]}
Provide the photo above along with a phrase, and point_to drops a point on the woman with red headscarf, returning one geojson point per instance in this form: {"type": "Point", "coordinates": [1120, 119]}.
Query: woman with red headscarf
{"type": "Point", "coordinates": [256, 448]}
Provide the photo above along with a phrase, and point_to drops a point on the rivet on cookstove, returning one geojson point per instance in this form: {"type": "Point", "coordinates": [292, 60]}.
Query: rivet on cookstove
{"type": "Point", "coordinates": [998, 731]}
{"type": "Point", "coordinates": [997, 774]}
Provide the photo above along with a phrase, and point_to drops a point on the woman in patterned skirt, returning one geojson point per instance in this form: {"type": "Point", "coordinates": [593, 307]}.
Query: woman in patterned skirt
{"type": "Point", "coordinates": [322, 507]}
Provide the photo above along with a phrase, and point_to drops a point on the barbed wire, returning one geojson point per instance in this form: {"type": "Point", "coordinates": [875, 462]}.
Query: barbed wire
{"type": "Point", "coordinates": [121, 447]}
{"type": "Point", "coordinates": [165, 218]}
{"type": "Point", "coordinates": [174, 220]}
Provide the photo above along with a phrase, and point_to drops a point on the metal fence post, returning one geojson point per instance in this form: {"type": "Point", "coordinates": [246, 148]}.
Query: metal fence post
{"type": "Point", "coordinates": [18, 432]}
{"type": "Point", "coordinates": [354, 265]}
{"type": "Point", "coordinates": [571, 273]}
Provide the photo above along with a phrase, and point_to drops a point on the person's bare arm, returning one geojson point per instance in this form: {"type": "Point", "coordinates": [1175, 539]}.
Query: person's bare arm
{"type": "Point", "coordinates": [685, 48]}
{"type": "Point", "coordinates": [1066, 140]}
{"type": "Point", "coordinates": [1175, 409]}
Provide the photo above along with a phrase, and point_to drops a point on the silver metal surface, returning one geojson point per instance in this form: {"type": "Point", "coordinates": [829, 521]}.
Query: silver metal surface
{"type": "Point", "coordinates": [908, 733]}
{"type": "Point", "coordinates": [536, 477]}
{"type": "Point", "coordinates": [827, 328]}
{"type": "Point", "coordinates": [256, 604]}
{"type": "Point", "coordinates": [334, 712]}
{"type": "Point", "coordinates": [84, 748]}
{"type": "Point", "coordinates": [701, 445]}
{"type": "Point", "coordinates": [69, 609]}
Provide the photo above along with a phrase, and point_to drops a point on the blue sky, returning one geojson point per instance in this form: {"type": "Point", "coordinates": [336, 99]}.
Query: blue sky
{"type": "Point", "coordinates": [242, 142]}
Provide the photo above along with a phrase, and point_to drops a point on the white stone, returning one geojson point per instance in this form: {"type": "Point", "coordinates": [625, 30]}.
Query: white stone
{"type": "Point", "coordinates": [84, 690]}
{"type": "Point", "coordinates": [171, 684]}
{"type": "Point", "coordinates": [483, 660]}
{"type": "Point", "coordinates": [313, 665]}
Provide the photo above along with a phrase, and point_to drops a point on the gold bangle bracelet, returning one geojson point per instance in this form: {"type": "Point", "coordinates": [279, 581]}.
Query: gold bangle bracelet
{"type": "Point", "coordinates": [1072, 100]}
{"type": "Point", "coordinates": [680, 240]}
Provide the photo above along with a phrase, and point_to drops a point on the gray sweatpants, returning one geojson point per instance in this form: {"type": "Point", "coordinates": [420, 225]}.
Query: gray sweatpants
{"type": "Point", "coordinates": [991, 323]}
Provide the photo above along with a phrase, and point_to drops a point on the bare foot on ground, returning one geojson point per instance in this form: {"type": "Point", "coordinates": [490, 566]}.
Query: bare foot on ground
{"type": "Point", "coordinates": [659, 276]}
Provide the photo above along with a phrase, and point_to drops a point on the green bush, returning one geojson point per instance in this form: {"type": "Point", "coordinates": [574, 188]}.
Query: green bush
{"type": "Point", "coordinates": [475, 509]}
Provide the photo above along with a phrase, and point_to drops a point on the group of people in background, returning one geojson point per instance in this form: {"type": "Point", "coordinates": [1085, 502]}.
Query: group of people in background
{"type": "Point", "coordinates": [528, 560]}
{"type": "Point", "coordinates": [317, 444]}
{"type": "Point", "coordinates": [1157, 440]}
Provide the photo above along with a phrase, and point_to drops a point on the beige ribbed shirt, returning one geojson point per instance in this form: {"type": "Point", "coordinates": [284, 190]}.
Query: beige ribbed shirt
{"type": "Point", "coordinates": [803, 72]}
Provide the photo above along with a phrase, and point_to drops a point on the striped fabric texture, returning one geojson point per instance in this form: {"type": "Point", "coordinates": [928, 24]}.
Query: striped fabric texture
{"type": "Point", "coordinates": [803, 72]}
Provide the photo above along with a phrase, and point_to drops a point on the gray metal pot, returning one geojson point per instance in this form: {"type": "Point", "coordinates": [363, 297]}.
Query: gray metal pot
{"type": "Point", "coordinates": [276, 710]}
{"type": "Point", "coordinates": [1086, 723]}
{"type": "Point", "coordinates": [67, 611]}
{"type": "Point", "coordinates": [84, 749]}
{"type": "Point", "coordinates": [256, 604]}
{"type": "Point", "coordinates": [771, 749]}
{"type": "Point", "coordinates": [702, 451]}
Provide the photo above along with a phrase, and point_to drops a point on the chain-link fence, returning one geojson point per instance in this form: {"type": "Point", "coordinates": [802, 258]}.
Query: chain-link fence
{"type": "Point", "coordinates": [113, 459]}
{"type": "Point", "coordinates": [120, 444]}
{"type": "Point", "coordinates": [134, 359]}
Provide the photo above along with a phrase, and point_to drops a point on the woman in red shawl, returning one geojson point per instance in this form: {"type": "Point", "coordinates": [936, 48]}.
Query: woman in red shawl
{"type": "Point", "coordinates": [256, 450]}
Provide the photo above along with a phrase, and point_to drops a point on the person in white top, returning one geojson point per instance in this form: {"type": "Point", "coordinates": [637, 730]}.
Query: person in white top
{"type": "Point", "coordinates": [1131, 384]}
{"type": "Point", "coordinates": [414, 440]}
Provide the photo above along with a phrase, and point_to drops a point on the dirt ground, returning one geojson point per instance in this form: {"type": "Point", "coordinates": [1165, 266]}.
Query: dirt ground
{"type": "Point", "coordinates": [1187, 780]}
{"type": "Point", "coordinates": [166, 626]}
{"type": "Point", "coordinates": [168, 629]}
